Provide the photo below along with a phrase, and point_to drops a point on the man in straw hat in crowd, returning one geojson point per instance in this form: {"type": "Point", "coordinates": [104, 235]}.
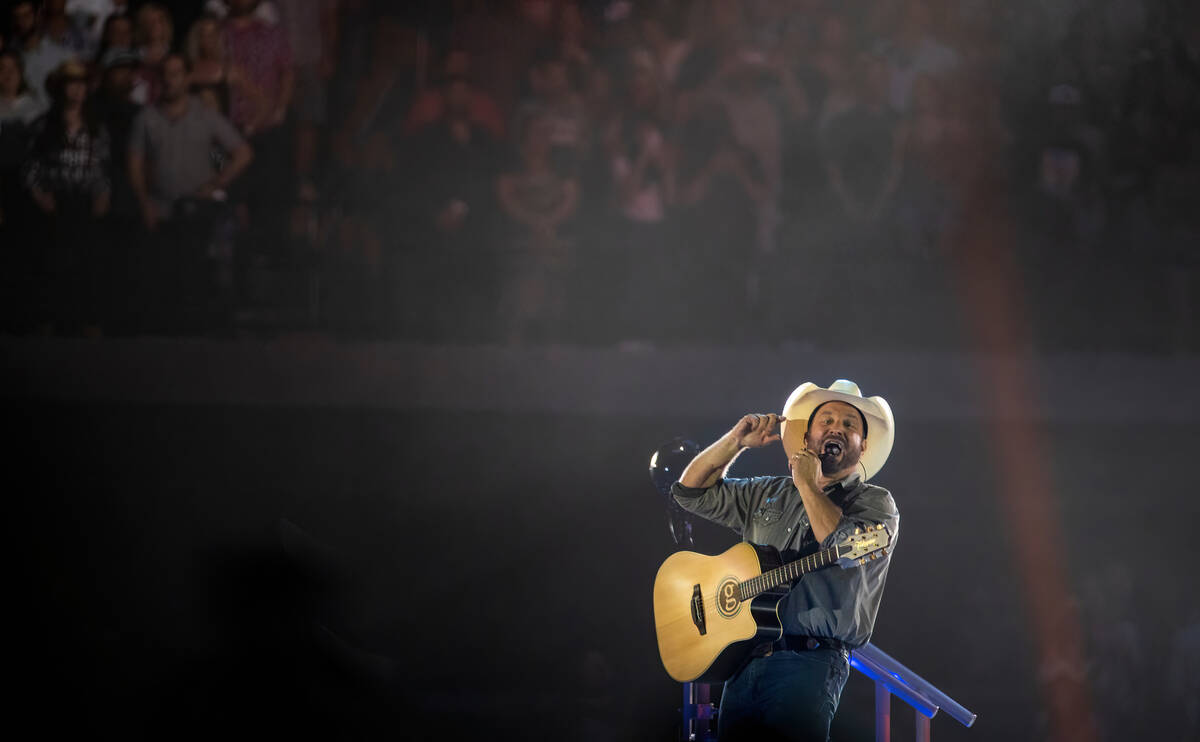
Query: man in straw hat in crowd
{"type": "Point", "coordinates": [835, 440]}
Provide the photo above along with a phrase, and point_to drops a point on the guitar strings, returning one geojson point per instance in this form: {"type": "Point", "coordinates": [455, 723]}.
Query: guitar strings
{"type": "Point", "coordinates": [710, 603]}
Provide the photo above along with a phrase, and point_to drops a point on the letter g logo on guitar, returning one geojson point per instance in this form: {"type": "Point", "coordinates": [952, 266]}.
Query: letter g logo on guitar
{"type": "Point", "coordinates": [728, 603]}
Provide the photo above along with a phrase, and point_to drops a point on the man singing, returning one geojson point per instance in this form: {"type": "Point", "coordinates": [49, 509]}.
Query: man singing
{"type": "Point", "coordinates": [835, 440]}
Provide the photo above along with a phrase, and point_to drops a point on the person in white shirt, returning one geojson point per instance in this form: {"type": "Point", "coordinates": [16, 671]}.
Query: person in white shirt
{"type": "Point", "coordinates": [91, 15]}
{"type": "Point", "coordinates": [39, 55]}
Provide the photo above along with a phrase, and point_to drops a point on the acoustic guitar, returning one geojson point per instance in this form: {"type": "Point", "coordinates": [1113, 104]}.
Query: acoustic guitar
{"type": "Point", "coordinates": [710, 611]}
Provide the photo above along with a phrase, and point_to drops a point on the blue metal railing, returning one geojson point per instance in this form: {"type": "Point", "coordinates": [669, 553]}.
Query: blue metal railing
{"type": "Point", "coordinates": [894, 679]}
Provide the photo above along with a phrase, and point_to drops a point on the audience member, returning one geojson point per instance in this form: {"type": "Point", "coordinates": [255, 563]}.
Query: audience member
{"type": "Point", "coordinates": [376, 276]}
{"type": "Point", "coordinates": [864, 149]}
{"type": "Point", "coordinates": [69, 172]}
{"type": "Point", "coordinates": [915, 51]}
{"type": "Point", "coordinates": [742, 81]}
{"type": "Point", "coordinates": [800, 96]}
{"type": "Point", "coordinates": [17, 103]}
{"type": "Point", "coordinates": [154, 35]}
{"type": "Point", "coordinates": [68, 178]}
{"type": "Point", "coordinates": [259, 103]}
{"type": "Point", "coordinates": [663, 33]}
{"type": "Point", "coordinates": [637, 149]}
{"type": "Point", "coordinates": [720, 189]}
{"type": "Point", "coordinates": [600, 97]}
{"type": "Point", "coordinates": [266, 10]}
{"type": "Point", "coordinates": [833, 62]}
{"type": "Point", "coordinates": [373, 186]}
{"type": "Point", "coordinates": [507, 39]}
{"type": "Point", "coordinates": [1070, 165]}
{"type": "Point", "coordinates": [430, 105]}
{"type": "Point", "coordinates": [18, 110]}
{"type": "Point", "coordinates": [534, 270]}
{"type": "Point", "coordinates": [263, 54]}
{"type": "Point", "coordinates": [924, 194]}
{"type": "Point", "coordinates": [92, 18]}
{"type": "Point", "coordinates": [356, 23]}
{"type": "Point", "coordinates": [116, 33]}
{"type": "Point", "coordinates": [211, 72]}
{"type": "Point", "coordinates": [312, 31]}
{"type": "Point", "coordinates": [456, 164]}
{"type": "Point", "coordinates": [114, 108]}
{"type": "Point", "coordinates": [180, 192]}
{"type": "Point", "coordinates": [62, 29]}
{"type": "Point", "coordinates": [640, 171]}
{"type": "Point", "coordinates": [553, 97]}
{"type": "Point", "coordinates": [39, 55]}
{"type": "Point", "coordinates": [573, 39]}
{"type": "Point", "coordinates": [382, 99]}
{"type": "Point", "coordinates": [768, 22]}
{"type": "Point", "coordinates": [484, 31]}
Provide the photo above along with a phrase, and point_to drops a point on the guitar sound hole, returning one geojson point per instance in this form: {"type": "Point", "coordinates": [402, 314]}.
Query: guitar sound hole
{"type": "Point", "coordinates": [728, 602]}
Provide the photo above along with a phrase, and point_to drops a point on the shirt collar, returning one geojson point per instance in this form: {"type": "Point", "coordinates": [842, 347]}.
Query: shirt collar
{"type": "Point", "coordinates": [844, 485]}
{"type": "Point", "coordinates": [847, 483]}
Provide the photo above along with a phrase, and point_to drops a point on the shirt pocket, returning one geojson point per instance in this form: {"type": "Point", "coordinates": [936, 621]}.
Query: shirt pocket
{"type": "Point", "coordinates": [766, 516]}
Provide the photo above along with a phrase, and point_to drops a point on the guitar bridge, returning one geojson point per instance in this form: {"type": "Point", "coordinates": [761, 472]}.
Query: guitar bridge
{"type": "Point", "coordinates": [698, 610]}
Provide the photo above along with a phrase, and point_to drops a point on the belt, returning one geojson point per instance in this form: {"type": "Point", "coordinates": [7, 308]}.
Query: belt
{"type": "Point", "coordinates": [798, 643]}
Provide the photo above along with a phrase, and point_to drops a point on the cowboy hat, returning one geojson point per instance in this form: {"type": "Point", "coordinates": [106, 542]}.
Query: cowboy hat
{"type": "Point", "coordinates": [65, 72]}
{"type": "Point", "coordinates": [876, 412]}
{"type": "Point", "coordinates": [119, 57]}
{"type": "Point", "coordinates": [70, 69]}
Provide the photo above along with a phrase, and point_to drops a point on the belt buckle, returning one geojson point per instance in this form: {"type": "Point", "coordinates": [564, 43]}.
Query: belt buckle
{"type": "Point", "coordinates": [811, 643]}
{"type": "Point", "coordinates": [766, 649]}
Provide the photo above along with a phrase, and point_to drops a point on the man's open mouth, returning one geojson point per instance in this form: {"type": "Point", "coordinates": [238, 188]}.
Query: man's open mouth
{"type": "Point", "coordinates": [833, 448]}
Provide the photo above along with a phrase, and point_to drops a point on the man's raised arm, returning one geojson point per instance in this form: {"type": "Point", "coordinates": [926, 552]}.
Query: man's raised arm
{"type": "Point", "coordinates": [752, 431]}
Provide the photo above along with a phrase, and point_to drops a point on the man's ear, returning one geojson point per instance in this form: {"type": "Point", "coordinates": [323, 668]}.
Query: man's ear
{"type": "Point", "coordinates": [863, 447]}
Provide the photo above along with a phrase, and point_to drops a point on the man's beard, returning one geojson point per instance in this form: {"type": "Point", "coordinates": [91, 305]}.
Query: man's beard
{"type": "Point", "coordinates": [831, 465]}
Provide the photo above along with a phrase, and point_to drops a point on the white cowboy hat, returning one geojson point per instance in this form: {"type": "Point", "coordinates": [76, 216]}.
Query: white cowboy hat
{"type": "Point", "coordinates": [808, 396]}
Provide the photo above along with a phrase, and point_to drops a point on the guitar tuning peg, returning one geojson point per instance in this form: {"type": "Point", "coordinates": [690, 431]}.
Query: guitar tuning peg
{"type": "Point", "coordinates": [857, 531]}
{"type": "Point", "coordinates": [883, 551]}
{"type": "Point", "coordinates": [879, 527]}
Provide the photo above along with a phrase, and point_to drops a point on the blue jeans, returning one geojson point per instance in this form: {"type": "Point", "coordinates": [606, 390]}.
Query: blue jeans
{"type": "Point", "coordinates": [785, 696]}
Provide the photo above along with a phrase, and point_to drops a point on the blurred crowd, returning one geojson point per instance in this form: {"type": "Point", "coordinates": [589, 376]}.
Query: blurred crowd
{"type": "Point", "coordinates": [588, 171]}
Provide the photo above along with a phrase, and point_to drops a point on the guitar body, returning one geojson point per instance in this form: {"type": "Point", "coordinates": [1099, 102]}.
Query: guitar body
{"type": "Point", "coordinates": [704, 631]}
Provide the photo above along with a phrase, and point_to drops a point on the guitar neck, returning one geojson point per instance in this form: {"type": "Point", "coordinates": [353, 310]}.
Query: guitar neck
{"type": "Point", "coordinates": [787, 573]}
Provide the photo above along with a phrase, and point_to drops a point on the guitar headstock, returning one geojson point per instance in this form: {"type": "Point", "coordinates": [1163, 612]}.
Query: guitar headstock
{"type": "Point", "coordinates": [864, 545]}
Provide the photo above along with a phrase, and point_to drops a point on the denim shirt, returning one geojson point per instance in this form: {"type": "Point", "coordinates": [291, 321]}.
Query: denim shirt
{"type": "Point", "coordinates": [833, 602]}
